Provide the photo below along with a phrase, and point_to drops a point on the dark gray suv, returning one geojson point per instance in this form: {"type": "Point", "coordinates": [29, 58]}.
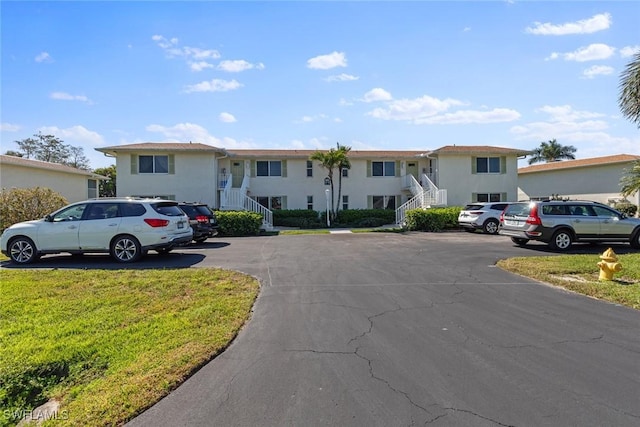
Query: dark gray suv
{"type": "Point", "coordinates": [560, 223]}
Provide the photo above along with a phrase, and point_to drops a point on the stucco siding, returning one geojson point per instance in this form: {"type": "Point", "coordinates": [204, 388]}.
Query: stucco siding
{"type": "Point", "coordinates": [72, 187]}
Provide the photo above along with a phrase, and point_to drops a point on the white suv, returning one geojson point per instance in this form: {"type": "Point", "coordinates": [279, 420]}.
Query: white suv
{"type": "Point", "coordinates": [126, 228]}
{"type": "Point", "coordinates": [481, 216]}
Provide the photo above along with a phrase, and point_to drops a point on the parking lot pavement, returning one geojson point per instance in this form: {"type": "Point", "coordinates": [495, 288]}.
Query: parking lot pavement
{"type": "Point", "coordinates": [387, 329]}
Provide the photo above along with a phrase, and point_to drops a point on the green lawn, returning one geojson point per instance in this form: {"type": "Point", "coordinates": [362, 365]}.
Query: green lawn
{"type": "Point", "coordinates": [579, 273]}
{"type": "Point", "coordinates": [107, 344]}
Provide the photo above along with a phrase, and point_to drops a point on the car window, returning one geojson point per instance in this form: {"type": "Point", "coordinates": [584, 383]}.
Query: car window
{"type": "Point", "coordinates": [473, 207]}
{"type": "Point", "coordinates": [102, 210]}
{"type": "Point", "coordinates": [604, 212]}
{"type": "Point", "coordinates": [499, 206]}
{"type": "Point", "coordinates": [581, 210]}
{"type": "Point", "coordinates": [204, 210]}
{"type": "Point", "coordinates": [555, 210]}
{"type": "Point", "coordinates": [168, 209]}
{"type": "Point", "coordinates": [72, 213]}
{"type": "Point", "coordinates": [132, 209]}
{"type": "Point", "coordinates": [518, 209]}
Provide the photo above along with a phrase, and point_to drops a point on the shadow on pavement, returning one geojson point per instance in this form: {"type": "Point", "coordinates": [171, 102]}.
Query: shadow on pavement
{"type": "Point", "coordinates": [105, 262]}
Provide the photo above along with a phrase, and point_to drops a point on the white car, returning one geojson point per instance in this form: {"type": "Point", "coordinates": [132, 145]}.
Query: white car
{"type": "Point", "coordinates": [126, 228]}
{"type": "Point", "coordinates": [481, 216]}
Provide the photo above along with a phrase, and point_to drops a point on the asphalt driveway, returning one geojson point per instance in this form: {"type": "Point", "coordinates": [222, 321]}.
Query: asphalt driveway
{"type": "Point", "coordinates": [384, 329]}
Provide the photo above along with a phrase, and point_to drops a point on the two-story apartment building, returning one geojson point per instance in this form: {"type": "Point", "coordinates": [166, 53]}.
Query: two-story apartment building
{"type": "Point", "coordinates": [263, 180]}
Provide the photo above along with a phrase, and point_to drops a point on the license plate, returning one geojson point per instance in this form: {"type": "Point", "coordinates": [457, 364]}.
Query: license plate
{"type": "Point", "coordinates": [181, 224]}
{"type": "Point", "coordinates": [512, 223]}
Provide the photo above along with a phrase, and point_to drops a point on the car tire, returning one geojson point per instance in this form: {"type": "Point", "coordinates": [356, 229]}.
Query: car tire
{"type": "Point", "coordinates": [22, 250]}
{"type": "Point", "coordinates": [490, 226]}
{"type": "Point", "coordinates": [126, 248]}
{"type": "Point", "coordinates": [635, 240]}
{"type": "Point", "coordinates": [519, 241]}
{"type": "Point", "coordinates": [200, 240]}
{"type": "Point", "coordinates": [561, 240]}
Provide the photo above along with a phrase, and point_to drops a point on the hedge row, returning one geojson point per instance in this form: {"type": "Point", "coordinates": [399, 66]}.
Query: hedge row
{"type": "Point", "coordinates": [238, 223]}
{"type": "Point", "coordinates": [25, 204]}
{"type": "Point", "coordinates": [434, 219]}
{"type": "Point", "coordinates": [305, 218]}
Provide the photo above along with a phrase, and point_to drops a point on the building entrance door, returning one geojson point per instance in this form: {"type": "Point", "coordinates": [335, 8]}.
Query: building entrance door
{"type": "Point", "coordinates": [237, 173]}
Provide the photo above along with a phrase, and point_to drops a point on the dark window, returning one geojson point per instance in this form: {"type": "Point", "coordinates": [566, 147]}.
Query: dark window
{"type": "Point", "coordinates": [345, 173]}
{"type": "Point", "coordinates": [345, 202]}
{"type": "Point", "coordinates": [309, 168]}
{"type": "Point", "coordinates": [310, 203]}
{"type": "Point", "coordinates": [132, 209]}
{"type": "Point", "coordinates": [262, 168]}
{"type": "Point", "coordinates": [488, 164]}
{"type": "Point", "coordinates": [153, 164]}
{"type": "Point", "coordinates": [269, 168]}
{"type": "Point", "coordinates": [169, 209]}
{"type": "Point", "coordinates": [384, 202]}
{"type": "Point", "coordinates": [383, 168]}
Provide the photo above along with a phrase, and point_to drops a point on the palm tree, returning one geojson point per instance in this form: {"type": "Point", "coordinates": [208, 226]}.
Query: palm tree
{"type": "Point", "coordinates": [629, 98]}
{"type": "Point", "coordinates": [344, 163]}
{"type": "Point", "coordinates": [552, 151]}
{"type": "Point", "coordinates": [328, 160]}
{"type": "Point", "coordinates": [630, 182]}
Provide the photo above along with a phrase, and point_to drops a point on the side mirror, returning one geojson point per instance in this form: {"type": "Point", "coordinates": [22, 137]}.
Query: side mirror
{"type": "Point", "coordinates": [48, 218]}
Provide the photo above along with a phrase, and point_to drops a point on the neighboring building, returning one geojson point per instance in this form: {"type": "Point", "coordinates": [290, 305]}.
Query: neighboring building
{"type": "Point", "coordinates": [596, 179]}
{"type": "Point", "coordinates": [73, 184]}
{"type": "Point", "coordinates": [263, 180]}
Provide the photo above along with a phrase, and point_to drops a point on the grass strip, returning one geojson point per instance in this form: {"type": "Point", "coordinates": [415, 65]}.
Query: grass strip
{"type": "Point", "coordinates": [108, 344]}
{"type": "Point", "coordinates": [579, 273]}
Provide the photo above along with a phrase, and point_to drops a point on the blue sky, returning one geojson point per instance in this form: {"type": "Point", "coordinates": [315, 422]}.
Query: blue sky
{"type": "Point", "coordinates": [304, 75]}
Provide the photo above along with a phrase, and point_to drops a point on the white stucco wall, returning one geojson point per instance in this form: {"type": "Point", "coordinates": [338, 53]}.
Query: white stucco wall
{"type": "Point", "coordinates": [194, 179]}
{"type": "Point", "coordinates": [73, 187]}
{"type": "Point", "coordinates": [599, 183]}
{"type": "Point", "coordinates": [455, 175]}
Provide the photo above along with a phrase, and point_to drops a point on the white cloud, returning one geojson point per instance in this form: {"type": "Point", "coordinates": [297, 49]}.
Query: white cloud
{"type": "Point", "coordinates": [239, 65]}
{"type": "Point", "coordinates": [326, 62]}
{"type": "Point", "coordinates": [593, 52]}
{"type": "Point", "coordinates": [585, 26]}
{"type": "Point", "coordinates": [184, 132]}
{"type": "Point", "coordinates": [566, 113]}
{"type": "Point", "coordinates": [597, 70]}
{"type": "Point", "coordinates": [43, 57]}
{"type": "Point", "coordinates": [344, 103]}
{"type": "Point", "coordinates": [74, 135]}
{"type": "Point", "coordinates": [341, 78]}
{"type": "Point", "coordinates": [309, 119]}
{"type": "Point", "coordinates": [194, 56]}
{"type": "Point", "coordinates": [63, 96]}
{"type": "Point", "coordinates": [215, 85]}
{"type": "Point", "coordinates": [9, 127]}
{"type": "Point", "coordinates": [629, 51]}
{"type": "Point", "coordinates": [200, 65]}
{"type": "Point", "coordinates": [227, 118]}
{"type": "Point", "coordinates": [414, 110]}
{"type": "Point", "coordinates": [497, 115]}
{"type": "Point", "coordinates": [377, 94]}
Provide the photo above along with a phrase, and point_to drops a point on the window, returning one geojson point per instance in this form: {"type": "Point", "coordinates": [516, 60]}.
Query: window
{"type": "Point", "coordinates": [383, 168]}
{"type": "Point", "coordinates": [269, 168]}
{"type": "Point", "coordinates": [271, 202]}
{"type": "Point", "coordinates": [488, 197]}
{"type": "Point", "coordinates": [488, 165]}
{"type": "Point", "coordinates": [345, 173]}
{"type": "Point", "coordinates": [384, 202]}
{"type": "Point", "coordinates": [92, 189]}
{"type": "Point", "coordinates": [309, 168]}
{"type": "Point", "coordinates": [153, 164]}
{"type": "Point", "coordinates": [310, 203]}
{"type": "Point", "coordinates": [345, 202]}
{"type": "Point", "coordinates": [72, 213]}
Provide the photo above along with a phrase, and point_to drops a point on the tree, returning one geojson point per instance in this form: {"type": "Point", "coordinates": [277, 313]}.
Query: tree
{"type": "Point", "coordinates": [328, 160]}
{"type": "Point", "coordinates": [107, 188]}
{"type": "Point", "coordinates": [14, 153]}
{"type": "Point", "coordinates": [343, 163]}
{"type": "Point", "coordinates": [629, 98]}
{"type": "Point", "coordinates": [630, 182]}
{"type": "Point", "coordinates": [48, 148]}
{"type": "Point", "coordinates": [552, 151]}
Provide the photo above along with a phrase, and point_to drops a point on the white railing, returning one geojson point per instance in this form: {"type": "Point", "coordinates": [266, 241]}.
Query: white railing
{"type": "Point", "coordinates": [237, 199]}
{"type": "Point", "coordinates": [423, 198]}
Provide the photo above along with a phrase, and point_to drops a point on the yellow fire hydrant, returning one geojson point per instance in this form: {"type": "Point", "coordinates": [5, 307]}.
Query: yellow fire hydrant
{"type": "Point", "coordinates": [608, 265]}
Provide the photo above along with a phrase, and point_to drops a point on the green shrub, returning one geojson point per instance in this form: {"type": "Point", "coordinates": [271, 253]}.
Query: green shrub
{"type": "Point", "coordinates": [433, 219]}
{"type": "Point", "coordinates": [366, 217]}
{"type": "Point", "coordinates": [238, 223]}
{"type": "Point", "coordinates": [626, 208]}
{"type": "Point", "coordinates": [25, 204]}
{"type": "Point", "coordinates": [303, 218]}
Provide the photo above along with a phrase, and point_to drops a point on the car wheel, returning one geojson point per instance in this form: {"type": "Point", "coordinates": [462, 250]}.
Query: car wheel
{"type": "Point", "coordinates": [164, 251]}
{"type": "Point", "coordinates": [22, 250]}
{"type": "Point", "coordinates": [200, 240]}
{"type": "Point", "coordinates": [490, 226]}
{"type": "Point", "coordinates": [561, 240]}
{"type": "Point", "coordinates": [519, 241]}
{"type": "Point", "coordinates": [635, 240]}
{"type": "Point", "coordinates": [126, 249]}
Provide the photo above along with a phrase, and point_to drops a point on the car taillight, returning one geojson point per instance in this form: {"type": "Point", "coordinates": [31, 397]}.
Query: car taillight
{"type": "Point", "coordinates": [156, 222]}
{"type": "Point", "coordinates": [533, 217]}
{"type": "Point", "coordinates": [502, 217]}
{"type": "Point", "coordinates": [202, 218]}
{"type": "Point", "coordinates": [476, 212]}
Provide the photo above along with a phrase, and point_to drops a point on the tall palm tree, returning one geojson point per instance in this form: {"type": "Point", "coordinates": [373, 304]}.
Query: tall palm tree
{"type": "Point", "coordinates": [629, 98]}
{"type": "Point", "coordinates": [328, 160]}
{"type": "Point", "coordinates": [552, 151]}
{"type": "Point", "coordinates": [630, 182]}
{"type": "Point", "coordinates": [343, 163]}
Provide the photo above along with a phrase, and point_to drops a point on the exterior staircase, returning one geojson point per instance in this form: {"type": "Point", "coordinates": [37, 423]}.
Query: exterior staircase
{"type": "Point", "coordinates": [236, 199]}
{"type": "Point", "coordinates": [424, 197]}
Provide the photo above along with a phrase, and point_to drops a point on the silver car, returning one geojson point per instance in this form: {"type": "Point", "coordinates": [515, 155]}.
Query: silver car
{"type": "Point", "coordinates": [481, 216]}
{"type": "Point", "coordinates": [560, 223]}
{"type": "Point", "coordinates": [125, 228]}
